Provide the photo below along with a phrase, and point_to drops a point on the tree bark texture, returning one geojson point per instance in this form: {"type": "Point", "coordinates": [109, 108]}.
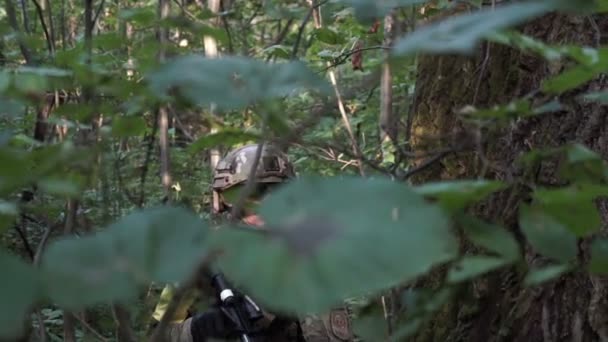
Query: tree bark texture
{"type": "Point", "coordinates": [573, 307]}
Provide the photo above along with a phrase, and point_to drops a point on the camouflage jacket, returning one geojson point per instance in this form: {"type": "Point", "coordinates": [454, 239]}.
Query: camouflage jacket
{"type": "Point", "coordinates": [331, 327]}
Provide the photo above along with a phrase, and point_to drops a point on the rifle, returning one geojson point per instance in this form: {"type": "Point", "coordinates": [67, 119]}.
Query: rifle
{"type": "Point", "coordinates": [239, 308]}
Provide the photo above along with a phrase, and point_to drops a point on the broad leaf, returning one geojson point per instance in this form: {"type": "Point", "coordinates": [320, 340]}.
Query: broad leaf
{"type": "Point", "coordinates": [512, 110]}
{"type": "Point", "coordinates": [8, 214]}
{"type": "Point", "coordinates": [226, 137]}
{"type": "Point", "coordinates": [573, 206]}
{"type": "Point", "coordinates": [599, 256]}
{"type": "Point", "coordinates": [160, 244]}
{"type": "Point", "coordinates": [20, 290]}
{"type": "Point", "coordinates": [460, 34]}
{"type": "Point", "coordinates": [578, 75]}
{"type": "Point", "coordinates": [583, 165]}
{"type": "Point", "coordinates": [538, 276]}
{"type": "Point", "coordinates": [490, 236]}
{"type": "Point", "coordinates": [329, 36]}
{"type": "Point", "coordinates": [232, 82]}
{"type": "Point", "coordinates": [457, 194]}
{"type": "Point", "coordinates": [333, 238]}
{"type": "Point", "coordinates": [600, 97]}
{"type": "Point", "coordinates": [279, 51]}
{"type": "Point", "coordinates": [472, 266]}
{"type": "Point", "coordinates": [367, 11]}
{"type": "Point", "coordinates": [128, 126]}
{"type": "Point", "coordinates": [546, 235]}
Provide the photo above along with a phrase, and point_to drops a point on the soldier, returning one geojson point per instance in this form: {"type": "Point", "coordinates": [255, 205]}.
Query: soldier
{"type": "Point", "coordinates": [230, 176]}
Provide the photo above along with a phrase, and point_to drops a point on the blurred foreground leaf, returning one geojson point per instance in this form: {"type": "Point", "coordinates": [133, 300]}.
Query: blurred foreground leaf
{"type": "Point", "coordinates": [329, 239]}
{"type": "Point", "coordinates": [159, 244]}
{"type": "Point", "coordinates": [461, 33]}
{"type": "Point", "coordinates": [20, 289]}
{"type": "Point", "coordinates": [232, 82]}
{"type": "Point", "coordinates": [457, 194]}
{"type": "Point", "coordinates": [547, 236]}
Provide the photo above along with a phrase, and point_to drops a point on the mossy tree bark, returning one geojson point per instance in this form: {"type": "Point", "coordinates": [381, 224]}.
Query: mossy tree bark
{"type": "Point", "coordinates": [573, 307]}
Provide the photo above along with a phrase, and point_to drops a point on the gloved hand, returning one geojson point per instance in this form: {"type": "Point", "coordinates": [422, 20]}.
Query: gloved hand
{"type": "Point", "coordinates": [212, 324]}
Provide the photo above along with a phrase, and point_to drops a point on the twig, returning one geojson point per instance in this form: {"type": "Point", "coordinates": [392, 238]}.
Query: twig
{"type": "Point", "coordinates": [26, 18]}
{"type": "Point", "coordinates": [345, 55]}
{"type": "Point", "coordinates": [426, 164]}
{"type": "Point", "coordinates": [98, 335]}
{"type": "Point", "coordinates": [44, 27]}
{"type": "Point", "coordinates": [98, 12]}
{"type": "Point", "coordinates": [296, 45]}
{"type": "Point", "coordinates": [315, 9]}
{"type": "Point", "coordinates": [42, 245]}
{"type": "Point", "coordinates": [227, 29]}
{"type": "Point", "coordinates": [145, 167]}
{"type": "Point", "coordinates": [12, 19]}
{"type": "Point", "coordinates": [26, 243]}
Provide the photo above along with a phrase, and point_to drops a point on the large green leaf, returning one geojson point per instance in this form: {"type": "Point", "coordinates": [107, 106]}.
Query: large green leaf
{"type": "Point", "coordinates": [490, 236]}
{"type": "Point", "coordinates": [546, 235]}
{"type": "Point", "coordinates": [599, 256]}
{"type": "Point", "coordinates": [457, 194]}
{"type": "Point", "coordinates": [540, 275]}
{"type": "Point", "coordinates": [583, 165]}
{"type": "Point", "coordinates": [159, 244]}
{"type": "Point", "coordinates": [331, 238]}
{"type": "Point", "coordinates": [582, 54]}
{"type": "Point", "coordinates": [232, 82]}
{"type": "Point", "coordinates": [514, 109]}
{"type": "Point", "coordinates": [20, 290]}
{"type": "Point", "coordinates": [226, 137]}
{"type": "Point", "coordinates": [472, 266]}
{"type": "Point", "coordinates": [600, 97]}
{"type": "Point", "coordinates": [573, 206]}
{"type": "Point", "coordinates": [329, 36]}
{"type": "Point", "coordinates": [367, 11]}
{"type": "Point", "coordinates": [461, 33]}
{"type": "Point", "coordinates": [128, 126]}
{"type": "Point", "coordinates": [578, 75]}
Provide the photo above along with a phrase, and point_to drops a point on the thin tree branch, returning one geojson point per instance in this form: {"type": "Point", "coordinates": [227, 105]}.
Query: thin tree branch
{"type": "Point", "coordinates": [425, 165]}
{"type": "Point", "coordinates": [47, 35]}
{"type": "Point", "coordinates": [98, 12]}
{"type": "Point", "coordinates": [12, 19]}
{"type": "Point", "coordinates": [49, 10]}
{"type": "Point", "coordinates": [333, 79]}
{"type": "Point", "coordinates": [296, 45]}
{"type": "Point", "coordinates": [145, 167]}
{"type": "Point", "coordinates": [164, 7]}
{"type": "Point", "coordinates": [26, 17]}
{"type": "Point", "coordinates": [95, 333]}
{"type": "Point", "coordinates": [342, 58]}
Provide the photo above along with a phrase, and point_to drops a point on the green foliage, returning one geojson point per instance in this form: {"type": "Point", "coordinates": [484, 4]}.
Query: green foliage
{"type": "Point", "coordinates": [110, 265]}
{"type": "Point", "coordinates": [21, 288]}
{"type": "Point", "coordinates": [461, 33]}
{"type": "Point", "coordinates": [460, 193]}
{"type": "Point", "coordinates": [543, 274]}
{"type": "Point", "coordinates": [368, 11]}
{"type": "Point", "coordinates": [232, 82]}
{"type": "Point", "coordinates": [547, 235]}
{"type": "Point", "coordinates": [330, 236]}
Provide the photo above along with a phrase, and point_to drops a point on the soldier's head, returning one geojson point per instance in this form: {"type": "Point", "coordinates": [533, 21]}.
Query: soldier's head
{"type": "Point", "coordinates": [231, 173]}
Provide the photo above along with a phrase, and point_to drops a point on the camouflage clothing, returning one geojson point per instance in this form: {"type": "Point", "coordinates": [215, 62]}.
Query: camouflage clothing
{"type": "Point", "coordinates": [330, 327]}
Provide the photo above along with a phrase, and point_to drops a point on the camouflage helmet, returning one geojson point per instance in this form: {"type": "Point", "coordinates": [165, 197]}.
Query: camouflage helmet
{"type": "Point", "coordinates": [234, 169]}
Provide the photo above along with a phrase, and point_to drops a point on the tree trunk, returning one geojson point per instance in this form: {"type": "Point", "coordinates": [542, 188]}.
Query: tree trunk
{"type": "Point", "coordinates": [572, 307]}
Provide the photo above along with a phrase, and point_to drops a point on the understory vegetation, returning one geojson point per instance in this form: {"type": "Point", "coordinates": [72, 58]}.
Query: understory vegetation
{"type": "Point", "coordinates": [451, 161]}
